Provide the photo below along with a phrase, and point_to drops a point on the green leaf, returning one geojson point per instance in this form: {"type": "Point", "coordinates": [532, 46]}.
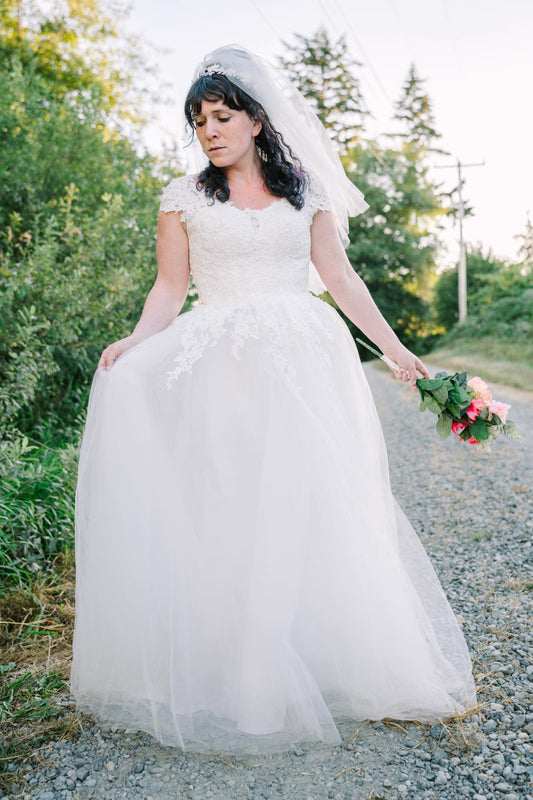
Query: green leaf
{"type": "Point", "coordinates": [456, 411]}
{"type": "Point", "coordinates": [422, 406]}
{"type": "Point", "coordinates": [479, 431]}
{"type": "Point", "coordinates": [444, 426]}
{"type": "Point", "coordinates": [441, 394]}
{"type": "Point", "coordinates": [433, 405]}
{"type": "Point", "coordinates": [459, 395]}
{"type": "Point", "coordinates": [430, 384]}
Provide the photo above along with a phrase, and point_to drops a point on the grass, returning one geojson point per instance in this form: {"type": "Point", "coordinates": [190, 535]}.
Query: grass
{"type": "Point", "coordinates": [498, 360]}
{"type": "Point", "coordinates": [35, 654]}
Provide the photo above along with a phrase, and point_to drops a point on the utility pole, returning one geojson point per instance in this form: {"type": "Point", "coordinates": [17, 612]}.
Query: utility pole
{"type": "Point", "coordinates": [461, 271]}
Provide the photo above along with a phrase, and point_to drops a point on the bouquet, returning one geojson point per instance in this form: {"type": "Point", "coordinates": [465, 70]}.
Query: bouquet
{"type": "Point", "coordinates": [463, 406]}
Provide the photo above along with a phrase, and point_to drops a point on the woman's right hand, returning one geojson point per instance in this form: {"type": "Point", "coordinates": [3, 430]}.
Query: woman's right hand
{"type": "Point", "coordinates": [114, 350]}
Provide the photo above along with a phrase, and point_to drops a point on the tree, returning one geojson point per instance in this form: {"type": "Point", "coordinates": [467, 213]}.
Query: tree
{"type": "Point", "coordinates": [324, 72]}
{"type": "Point", "coordinates": [483, 270]}
{"type": "Point", "coordinates": [394, 243]}
{"type": "Point", "coordinates": [78, 50]}
{"type": "Point", "coordinates": [77, 206]}
{"type": "Point", "coordinates": [414, 112]}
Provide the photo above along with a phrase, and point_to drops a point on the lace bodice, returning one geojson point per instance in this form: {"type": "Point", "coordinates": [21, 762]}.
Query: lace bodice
{"type": "Point", "coordinates": [251, 270]}
{"type": "Point", "coordinates": [235, 253]}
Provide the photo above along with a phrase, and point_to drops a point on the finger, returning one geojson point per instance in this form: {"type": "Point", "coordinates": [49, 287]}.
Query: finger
{"type": "Point", "coordinates": [402, 374]}
{"type": "Point", "coordinates": [422, 369]}
{"type": "Point", "coordinates": [107, 359]}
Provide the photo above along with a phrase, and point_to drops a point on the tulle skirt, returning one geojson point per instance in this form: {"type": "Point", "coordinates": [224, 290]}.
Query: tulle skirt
{"type": "Point", "coordinates": [245, 577]}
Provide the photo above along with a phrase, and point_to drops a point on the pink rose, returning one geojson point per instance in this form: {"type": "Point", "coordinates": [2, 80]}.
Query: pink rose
{"type": "Point", "coordinates": [472, 412]}
{"type": "Point", "coordinates": [500, 409]}
{"type": "Point", "coordinates": [458, 427]}
{"type": "Point", "coordinates": [481, 389]}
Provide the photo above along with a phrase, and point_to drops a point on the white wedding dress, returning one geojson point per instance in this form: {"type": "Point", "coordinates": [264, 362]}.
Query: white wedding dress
{"type": "Point", "coordinates": [244, 575]}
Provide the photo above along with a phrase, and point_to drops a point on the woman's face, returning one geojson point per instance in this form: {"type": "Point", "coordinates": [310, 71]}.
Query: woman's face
{"type": "Point", "coordinates": [227, 136]}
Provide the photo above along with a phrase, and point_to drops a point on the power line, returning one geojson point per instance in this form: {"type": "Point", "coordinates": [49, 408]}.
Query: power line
{"type": "Point", "coordinates": [401, 27]}
{"type": "Point", "coordinates": [339, 29]}
{"type": "Point", "coordinates": [363, 51]}
{"type": "Point", "coordinates": [266, 19]}
{"type": "Point", "coordinates": [333, 22]}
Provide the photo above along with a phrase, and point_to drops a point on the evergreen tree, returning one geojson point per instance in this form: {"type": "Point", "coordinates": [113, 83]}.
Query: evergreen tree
{"type": "Point", "coordinates": [323, 70]}
{"type": "Point", "coordinates": [394, 243]}
{"type": "Point", "coordinates": [414, 112]}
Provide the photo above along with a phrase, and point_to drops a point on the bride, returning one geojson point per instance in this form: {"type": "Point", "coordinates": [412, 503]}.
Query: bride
{"type": "Point", "coordinates": [244, 575]}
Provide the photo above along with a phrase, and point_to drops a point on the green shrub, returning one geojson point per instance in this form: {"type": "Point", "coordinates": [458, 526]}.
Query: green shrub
{"type": "Point", "coordinates": [36, 506]}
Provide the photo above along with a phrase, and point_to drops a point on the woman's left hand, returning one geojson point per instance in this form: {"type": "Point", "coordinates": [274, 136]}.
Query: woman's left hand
{"type": "Point", "coordinates": [408, 363]}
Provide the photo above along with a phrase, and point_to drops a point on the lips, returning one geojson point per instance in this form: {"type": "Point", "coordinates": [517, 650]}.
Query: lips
{"type": "Point", "coordinates": [214, 149]}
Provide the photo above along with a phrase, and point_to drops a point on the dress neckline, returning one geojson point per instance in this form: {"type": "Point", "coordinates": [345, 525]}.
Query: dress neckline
{"type": "Point", "coordinates": [247, 209]}
{"type": "Point", "coordinates": [253, 210]}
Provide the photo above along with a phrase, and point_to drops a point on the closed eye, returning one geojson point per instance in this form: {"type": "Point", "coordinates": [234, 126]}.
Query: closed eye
{"type": "Point", "coordinates": [199, 123]}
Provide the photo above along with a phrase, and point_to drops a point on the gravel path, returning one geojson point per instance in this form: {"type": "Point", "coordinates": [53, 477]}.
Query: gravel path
{"type": "Point", "coordinates": [474, 514]}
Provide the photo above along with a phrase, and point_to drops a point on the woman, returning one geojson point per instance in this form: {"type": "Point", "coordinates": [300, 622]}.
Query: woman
{"type": "Point", "coordinates": [244, 574]}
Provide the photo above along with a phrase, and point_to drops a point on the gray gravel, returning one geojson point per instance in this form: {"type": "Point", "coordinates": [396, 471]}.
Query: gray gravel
{"type": "Point", "coordinates": [474, 514]}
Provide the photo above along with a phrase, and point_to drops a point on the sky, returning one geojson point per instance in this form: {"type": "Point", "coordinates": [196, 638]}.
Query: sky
{"type": "Point", "coordinates": [476, 57]}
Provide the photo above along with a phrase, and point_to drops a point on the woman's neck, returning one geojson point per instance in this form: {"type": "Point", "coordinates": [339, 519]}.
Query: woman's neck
{"type": "Point", "coordinates": [245, 174]}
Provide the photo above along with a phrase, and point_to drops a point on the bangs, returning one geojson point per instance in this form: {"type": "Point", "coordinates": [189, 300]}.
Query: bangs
{"type": "Point", "coordinates": [212, 88]}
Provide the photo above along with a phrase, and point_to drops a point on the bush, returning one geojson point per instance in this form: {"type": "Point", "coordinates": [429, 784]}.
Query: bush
{"type": "Point", "coordinates": [36, 506]}
{"type": "Point", "coordinates": [508, 318]}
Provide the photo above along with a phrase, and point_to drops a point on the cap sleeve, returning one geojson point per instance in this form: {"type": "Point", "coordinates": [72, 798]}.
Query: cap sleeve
{"type": "Point", "coordinates": [182, 195]}
{"type": "Point", "coordinates": [316, 196]}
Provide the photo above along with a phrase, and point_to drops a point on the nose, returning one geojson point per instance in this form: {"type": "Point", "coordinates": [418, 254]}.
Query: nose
{"type": "Point", "coordinates": [211, 128]}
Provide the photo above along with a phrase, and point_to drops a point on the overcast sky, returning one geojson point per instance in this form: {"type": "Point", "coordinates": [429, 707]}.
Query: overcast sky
{"type": "Point", "coordinates": [476, 57]}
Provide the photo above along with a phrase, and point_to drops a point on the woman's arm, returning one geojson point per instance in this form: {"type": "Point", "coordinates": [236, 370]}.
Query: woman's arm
{"type": "Point", "coordinates": [166, 297]}
{"type": "Point", "coordinates": [353, 298]}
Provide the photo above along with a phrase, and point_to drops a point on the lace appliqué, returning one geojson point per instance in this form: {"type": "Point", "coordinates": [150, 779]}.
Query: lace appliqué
{"type": "Point", "coordinates": [182, 195]}
{"type": "Point", "coordinates": [273, 323]}
{"type": "Point", "coordinates": [316, 196]}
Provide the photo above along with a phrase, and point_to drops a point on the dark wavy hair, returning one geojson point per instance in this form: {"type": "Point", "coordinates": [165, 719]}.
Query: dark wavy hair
{"type": "Point", "coordinates": [281, 170]}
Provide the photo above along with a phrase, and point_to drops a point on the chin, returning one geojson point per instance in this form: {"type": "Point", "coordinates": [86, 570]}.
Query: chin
{"type": "Point", "coordinates": [221, 160]}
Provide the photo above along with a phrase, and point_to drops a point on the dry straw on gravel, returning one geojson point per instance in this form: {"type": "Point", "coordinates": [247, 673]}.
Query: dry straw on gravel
{"type": "Point", "coordinates": [35, 650]}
